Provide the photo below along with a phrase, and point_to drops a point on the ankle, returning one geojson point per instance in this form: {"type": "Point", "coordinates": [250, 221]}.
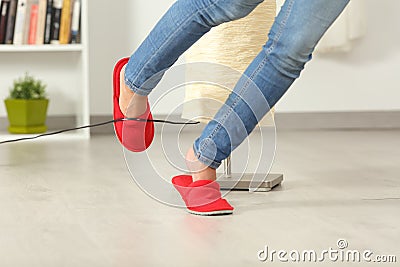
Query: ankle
{"type": "Point", "coordinates": [198, 170]}
{"type": "Point", "coordinates": [131, 104]}
{"type": "Point", "coordinates": [137, 106]}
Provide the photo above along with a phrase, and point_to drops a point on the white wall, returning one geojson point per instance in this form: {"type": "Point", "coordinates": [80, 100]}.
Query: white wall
{"type": "Point", "coordinates": [365, 79]}
{"type": "Point", "coordinates": [116, 30]}
{"type": "Point", "coordinates": [108, 36]}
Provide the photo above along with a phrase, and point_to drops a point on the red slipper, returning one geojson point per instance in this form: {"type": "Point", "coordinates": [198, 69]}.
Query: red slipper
{"type": "Point", "coordinates": [136, 136]}
{"type": "Point", "coordinates": [201, 197]}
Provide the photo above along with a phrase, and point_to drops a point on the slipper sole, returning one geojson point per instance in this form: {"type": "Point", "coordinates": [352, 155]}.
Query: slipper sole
{"type": "Point", "coordinates": [211, 213]}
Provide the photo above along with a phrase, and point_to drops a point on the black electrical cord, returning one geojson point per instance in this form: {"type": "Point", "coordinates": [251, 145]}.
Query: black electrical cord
{"type": "Point", "coordinates": [97, 125]}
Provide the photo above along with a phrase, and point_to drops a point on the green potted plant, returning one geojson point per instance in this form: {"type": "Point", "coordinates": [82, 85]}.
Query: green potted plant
{"type": "Point", "coordinates": [27, 106]}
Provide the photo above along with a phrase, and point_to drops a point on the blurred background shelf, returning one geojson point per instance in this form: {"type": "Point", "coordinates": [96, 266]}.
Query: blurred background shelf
{"type": "Point", "coordinates": [64, 68]}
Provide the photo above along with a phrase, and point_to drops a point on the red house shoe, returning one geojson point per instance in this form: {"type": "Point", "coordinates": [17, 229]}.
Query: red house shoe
{"type": "Point", "coordinates": [136, 136]}
{"type": "Point", "coordinates": [201, 197]}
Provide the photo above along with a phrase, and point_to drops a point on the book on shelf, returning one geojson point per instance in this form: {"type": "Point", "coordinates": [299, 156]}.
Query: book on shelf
{"type": "Point", "coordinates": [11, 22]}
{"type": "Point", "coordinates": [65, 22]}
{"type": "Point", "coordinates": [4, 9]}
{"type": "Point", "coordinates": [47, 29]}
{"type": "Point", "coordinates": [56, 21]}
{"type": "Point", "coordinates": [25, 35]}
{"type": "Point", "coordinates": [20, 22]}
{"type": "Point", "coordinates": [75, 22]}
{"type": "Point", "coordinates": [38, 22]}
{"type": "Point", "coordinates": [33, 24]}
{"type": "Point", "coordinates": [41, 22]}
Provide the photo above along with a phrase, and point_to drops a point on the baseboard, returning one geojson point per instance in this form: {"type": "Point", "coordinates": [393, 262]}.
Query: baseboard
{"type": "Point", "coordinates": [339, 120]}
{"type": "Point", "coordinates": [284, 121]}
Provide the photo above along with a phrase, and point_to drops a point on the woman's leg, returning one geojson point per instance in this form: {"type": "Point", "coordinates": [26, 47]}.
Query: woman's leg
{"type": "Point", "coordinates": [182, 25]}
{"type": "Point", "coordinates": [292, 39]}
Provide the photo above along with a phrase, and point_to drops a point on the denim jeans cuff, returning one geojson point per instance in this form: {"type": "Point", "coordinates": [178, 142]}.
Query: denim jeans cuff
{"type": "Point", "coordinates": [206, 161]}
{"type": "Point", "coordinates": [136, 89]}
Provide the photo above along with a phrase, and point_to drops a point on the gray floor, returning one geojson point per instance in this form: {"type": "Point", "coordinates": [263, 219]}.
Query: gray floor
{"type": "Point", "coordinates": [73, 203]}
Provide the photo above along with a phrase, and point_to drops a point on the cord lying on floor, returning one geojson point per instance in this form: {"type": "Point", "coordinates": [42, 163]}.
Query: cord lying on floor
{"type": "Point", "coordinates": [97, 125]}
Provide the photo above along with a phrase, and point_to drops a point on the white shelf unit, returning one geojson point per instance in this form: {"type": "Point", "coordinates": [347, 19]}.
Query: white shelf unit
{"type": "Point", "coordinates": [65, 70]}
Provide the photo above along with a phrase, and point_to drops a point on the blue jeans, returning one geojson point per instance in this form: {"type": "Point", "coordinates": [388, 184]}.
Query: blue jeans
{"type": "Point", "coordinates": [291, 41]}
